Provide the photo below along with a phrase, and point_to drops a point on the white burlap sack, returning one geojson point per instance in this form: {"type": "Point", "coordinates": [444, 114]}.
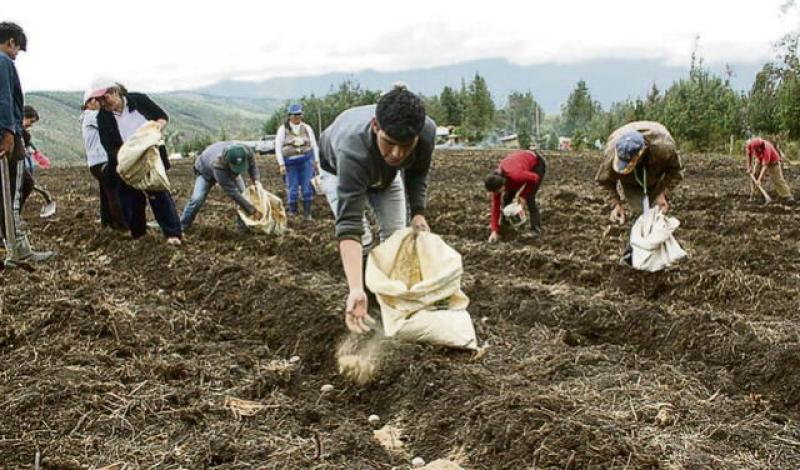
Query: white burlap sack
{"type": "Point", "coordinates": [273, 220]}
{"type": "Point", "coordinates": [417, 281]}
{"type": "Point", "coordinates": [139, 163]}
{"type": "Point", "coordinates": [653, 243]}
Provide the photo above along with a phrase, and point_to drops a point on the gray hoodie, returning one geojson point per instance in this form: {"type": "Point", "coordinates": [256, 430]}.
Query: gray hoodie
{"type": "Point", "coordinates": [348, 149]}
{"type": "Point", "coordinates": [212, 166]}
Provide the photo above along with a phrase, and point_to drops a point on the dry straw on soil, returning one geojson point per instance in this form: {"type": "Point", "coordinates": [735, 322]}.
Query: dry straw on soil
{"type": "Point", "coordinates": [121, 355]}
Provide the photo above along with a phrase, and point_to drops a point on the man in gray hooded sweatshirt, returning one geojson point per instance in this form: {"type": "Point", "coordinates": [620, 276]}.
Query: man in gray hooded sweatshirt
{"type": "Point", "coordinates": [376, 155]}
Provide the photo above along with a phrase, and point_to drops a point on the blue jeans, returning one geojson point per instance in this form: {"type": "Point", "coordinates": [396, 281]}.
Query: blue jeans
{"type": "Point", "coordinates": [202, 187]}
{"type": "Point", "coordinates": [299, 172]}
{"type": "Point", "coordinates": [389, 206]}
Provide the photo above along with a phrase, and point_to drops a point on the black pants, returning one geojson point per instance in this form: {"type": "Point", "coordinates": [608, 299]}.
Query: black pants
{"type": "Point", "coordinates": [530, 199]}
{"type": "Point", "coordinates": [134, 202]}
{"type": "Point", "coordinates": [18, 154]}
{"type": "Point", "coordinates": [110, 209]}
{"type": "Point", "coordinates": [29, 186]}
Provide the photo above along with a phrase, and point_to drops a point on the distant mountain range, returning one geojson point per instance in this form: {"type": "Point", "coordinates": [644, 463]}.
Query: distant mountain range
{"type": "Point", "coordinates": [608, 80]}
{"type": "Point", "coordinates": [58, 133]}
{"type": "Point", "coordinates": [242, 107]}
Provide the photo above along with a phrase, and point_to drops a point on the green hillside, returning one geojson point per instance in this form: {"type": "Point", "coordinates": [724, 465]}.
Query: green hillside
{"type": "Point", "coordinates": [58, 133]}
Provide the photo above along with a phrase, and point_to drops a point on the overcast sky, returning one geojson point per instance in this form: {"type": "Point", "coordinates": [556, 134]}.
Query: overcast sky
{"type": "Point", "coordinates": [167, 45]}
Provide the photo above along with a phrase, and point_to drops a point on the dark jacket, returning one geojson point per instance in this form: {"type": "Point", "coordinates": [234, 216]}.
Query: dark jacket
{"type": "Point", "coordinates": [110, 137]}
{"type": "Point", "coordinates": [11, 100]}
{"type": "Point", "coordinates": [661, 161]}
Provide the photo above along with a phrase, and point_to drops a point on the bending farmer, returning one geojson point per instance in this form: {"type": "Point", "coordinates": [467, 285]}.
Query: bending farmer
{"type": "Point", "coordinates": [643, 158]}
{"type": "Point", "coordinates": [519, 175]}
{"type": "Point", "coordinates": [362, 155]}
{"type": "Point", "coordinates": [223, 163]}
{"type": "Point", "coordinates": [768, 161]}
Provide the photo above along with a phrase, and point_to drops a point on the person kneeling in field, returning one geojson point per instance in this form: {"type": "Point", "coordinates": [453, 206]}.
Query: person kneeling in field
{"type": "Point", "coordinates": [223, 163]}
{"type": "Point", "coordinates": [643, 158]}
{"type": "Point", "coordinates": [375, 155]}
{"type": "Point", "coordinates": [519, 175]}
{"type": "Point", "coordinates": [768, 161]}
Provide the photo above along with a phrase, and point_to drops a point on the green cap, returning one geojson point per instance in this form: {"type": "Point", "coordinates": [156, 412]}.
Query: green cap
{"type": "Point", "coordinates": [236, 156]}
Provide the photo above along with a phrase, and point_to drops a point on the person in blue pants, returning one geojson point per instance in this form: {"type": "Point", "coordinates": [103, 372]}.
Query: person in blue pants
{"type": "Point", "coordinates": [298, 159]}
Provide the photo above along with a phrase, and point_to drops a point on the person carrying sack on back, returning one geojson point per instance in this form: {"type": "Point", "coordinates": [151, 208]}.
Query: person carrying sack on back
{"type": "Point", "coordinates": [768, 161]}
{"type": "Point", "coordinates": [298, 159]}
{"type": "Point", "coordinates": [518, 177]}
{"type": "Point", "coordinates": [375, 155]}
{"type": "Point", "coordinates": [223, 163]}
{"type": "Point", "coordinates": [643, 158]}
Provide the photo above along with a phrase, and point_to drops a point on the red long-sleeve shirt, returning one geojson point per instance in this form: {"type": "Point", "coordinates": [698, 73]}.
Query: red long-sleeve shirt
{"type": "Point", "coordinates": [769, 156]}
{"type": "Point", "coordinates": [517, 167]}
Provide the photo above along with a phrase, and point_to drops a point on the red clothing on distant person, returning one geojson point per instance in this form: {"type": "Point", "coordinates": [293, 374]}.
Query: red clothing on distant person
{"type": "Point", "coordinates": [769, 156]}
{"type": "Point", "coordinates": [517, 167]}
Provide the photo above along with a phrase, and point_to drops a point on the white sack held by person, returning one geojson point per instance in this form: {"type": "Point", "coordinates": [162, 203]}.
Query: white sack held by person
{"type": "Point", "coordinates": [273, 219]}
{"type": "Point", "coordinates": [654, 246]}
{"type": "Point", "coordinates": [416, 278]}
{"type": "Point", "coordinates": [139, 162]}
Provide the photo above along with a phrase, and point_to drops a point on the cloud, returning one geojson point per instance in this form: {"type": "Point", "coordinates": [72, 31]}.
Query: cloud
{"type": "Point", "coordinates": [166, 45]}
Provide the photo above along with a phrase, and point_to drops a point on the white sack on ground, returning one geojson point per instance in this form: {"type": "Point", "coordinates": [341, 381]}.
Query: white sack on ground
{"type": "Point", "coordinates": [139, 163]}
{"type": "Point", "coordinates": [273, 220]}
{"type": "Point", "coordinates": [654, 246]}
{"type": "Point", "coordinates": [417, 281]}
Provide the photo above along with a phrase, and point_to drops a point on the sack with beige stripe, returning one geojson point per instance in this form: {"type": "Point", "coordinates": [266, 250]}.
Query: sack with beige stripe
{"type": "Point", "coordinates": [416, 278]}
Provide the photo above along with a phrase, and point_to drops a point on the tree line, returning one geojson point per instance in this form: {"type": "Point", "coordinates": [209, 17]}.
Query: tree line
{"type": "Point", "coordinates": [703, 111]}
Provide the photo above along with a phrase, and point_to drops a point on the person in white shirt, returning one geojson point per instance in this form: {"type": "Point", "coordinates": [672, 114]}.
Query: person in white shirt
{"type": "Point", "coordinates": [298, 158]}
{"type": "Point", "coordinates": [97, 159]}
{"type": "Point", "coordinates": [122, 113]}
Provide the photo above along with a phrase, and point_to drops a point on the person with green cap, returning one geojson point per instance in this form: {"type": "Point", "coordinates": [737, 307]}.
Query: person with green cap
{"type": "Point", "coordinates": [223, 163]}
{"type": "Point", "coordinates": [643, 158]}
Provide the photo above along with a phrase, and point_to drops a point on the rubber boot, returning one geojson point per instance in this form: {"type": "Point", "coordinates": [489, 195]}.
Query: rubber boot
{"type": "Point", "coordinates": [627, 257]}
{"type": "Point", "coordinates": [307, 211]}
{"type": "Point", "coordinates": [293, 208]}
{"type": "Point", "coordinates": [26, 253]}
{"type": "Point", "coordinates": [22, 254]}
{"type": "Point", "coordinates": [536, 219]}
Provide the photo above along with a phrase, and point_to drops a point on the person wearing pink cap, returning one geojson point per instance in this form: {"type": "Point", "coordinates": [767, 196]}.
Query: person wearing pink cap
{"type": "Point", "coordinates": [121, 115]}
{"type": "Point", "coordinates": [768, 161]}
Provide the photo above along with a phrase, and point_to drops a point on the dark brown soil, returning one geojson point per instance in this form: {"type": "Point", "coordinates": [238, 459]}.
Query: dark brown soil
{"type": "Point", "coordinates": [123, 354]}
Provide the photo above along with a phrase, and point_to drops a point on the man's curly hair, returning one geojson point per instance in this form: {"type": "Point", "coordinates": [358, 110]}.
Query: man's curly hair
{"type": "Point", "coordinates": [401, 114]}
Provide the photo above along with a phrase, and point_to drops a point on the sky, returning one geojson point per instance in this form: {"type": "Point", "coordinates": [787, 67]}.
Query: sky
{"type": "Point", "coordinates": [163, 45]}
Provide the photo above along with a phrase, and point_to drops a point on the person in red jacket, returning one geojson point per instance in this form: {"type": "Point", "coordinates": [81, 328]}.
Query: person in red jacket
{"type": "Point", "coordinates": [768, 160]}
{"type": "Point", "coordinates": [520, 172]}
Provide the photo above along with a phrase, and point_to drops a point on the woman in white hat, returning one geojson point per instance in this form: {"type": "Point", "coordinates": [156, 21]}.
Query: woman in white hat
{"type": "Point", "coordinates": [122, 114]}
